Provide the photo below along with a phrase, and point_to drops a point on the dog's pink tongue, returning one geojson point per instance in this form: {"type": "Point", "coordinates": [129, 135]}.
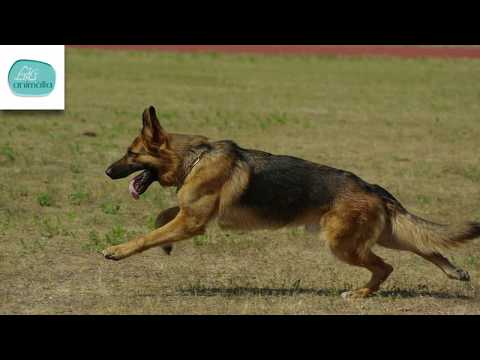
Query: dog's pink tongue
{"type": "Point", "coordinates": [131, 189]}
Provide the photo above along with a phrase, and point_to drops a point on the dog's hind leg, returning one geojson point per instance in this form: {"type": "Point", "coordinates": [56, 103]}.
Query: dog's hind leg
{"type": "Point", "coordinates": [164, 218]}
{"type": "Point", "coordinates": [380, 271]}
{"type": "Point", "coordinates": [350, 233]}
{"type": "Point", "coordinates": [452, 271]}
{"type": "Point", "coordinates": [449, 269]}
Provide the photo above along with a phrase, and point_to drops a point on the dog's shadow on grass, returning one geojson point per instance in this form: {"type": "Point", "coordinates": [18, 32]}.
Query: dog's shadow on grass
{"type": "Point", "coordinates": [246, 291]}
{"type": "Point", "coordinates": [265, 291]}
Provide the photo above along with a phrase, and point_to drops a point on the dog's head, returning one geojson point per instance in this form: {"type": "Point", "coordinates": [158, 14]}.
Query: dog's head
{"type": "Point", "coordinates": [149, 153]}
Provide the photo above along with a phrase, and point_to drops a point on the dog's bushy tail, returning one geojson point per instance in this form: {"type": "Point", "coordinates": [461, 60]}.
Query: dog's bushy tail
{"type": "Point", "coordinates": [422, 234]}
{"type": "Point", "coordinates": [428, 236]}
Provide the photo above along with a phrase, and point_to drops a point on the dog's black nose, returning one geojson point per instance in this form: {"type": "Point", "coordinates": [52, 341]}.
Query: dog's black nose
{"type": "Point", "coordinates": [109, 172]}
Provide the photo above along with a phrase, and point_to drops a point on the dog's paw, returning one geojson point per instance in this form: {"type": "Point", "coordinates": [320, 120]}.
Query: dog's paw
{"type": "Point", "coordinates": [115, 252]}
{"type": "Point", "coordinates": [462, 275]}
{"type": "Point", "coordinates": [347, 295]}
{"type": "Point", "coordinates": [167, 249]}
{"type": "Point", "coordinates": [356, 294]}
{"type": "Point", "coordinates": [458, 274]}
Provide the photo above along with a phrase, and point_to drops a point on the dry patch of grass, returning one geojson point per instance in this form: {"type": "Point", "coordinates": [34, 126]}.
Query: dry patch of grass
{"type": "Point", "coordinates": [410, 125]}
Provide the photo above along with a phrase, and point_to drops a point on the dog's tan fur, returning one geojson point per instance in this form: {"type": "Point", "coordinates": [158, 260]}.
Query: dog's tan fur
{"type": "Point", "coordinates": [351, 225]}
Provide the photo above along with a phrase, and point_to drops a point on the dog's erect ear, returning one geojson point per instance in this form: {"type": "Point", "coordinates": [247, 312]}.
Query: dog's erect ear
{"type": "Point", "coordinates": [152, 131]}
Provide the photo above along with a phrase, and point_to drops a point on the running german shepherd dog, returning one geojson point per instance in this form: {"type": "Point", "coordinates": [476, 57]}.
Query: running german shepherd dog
{"type": "Point", "coordinates": [251, 189]}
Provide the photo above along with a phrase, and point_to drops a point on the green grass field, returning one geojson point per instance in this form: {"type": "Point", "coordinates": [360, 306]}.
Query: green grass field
{"type": "Point", "coordinates": [412, 126]}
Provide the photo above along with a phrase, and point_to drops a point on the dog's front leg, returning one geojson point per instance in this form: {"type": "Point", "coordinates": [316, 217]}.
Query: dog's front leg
{"type": "Point", "coordinates": [180, 228]}
{"type": "Point", "coordinates": [190, 221]}
{"type": "Point", "coordinates": [164, 218]}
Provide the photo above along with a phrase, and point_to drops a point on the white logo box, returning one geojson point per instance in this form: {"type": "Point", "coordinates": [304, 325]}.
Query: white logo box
{"type": "Point", "coordinates": [50, 54]}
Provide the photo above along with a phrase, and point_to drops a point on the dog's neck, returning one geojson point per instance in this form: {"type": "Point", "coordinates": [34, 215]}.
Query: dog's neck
{"type": "Point", "coordinates": [191, 158]}
{"type": "Point", "coordinates": [184, 150]}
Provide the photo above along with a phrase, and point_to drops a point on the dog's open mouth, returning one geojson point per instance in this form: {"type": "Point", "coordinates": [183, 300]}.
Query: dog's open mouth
{"type": "Point", "coordinates": [140, 183]}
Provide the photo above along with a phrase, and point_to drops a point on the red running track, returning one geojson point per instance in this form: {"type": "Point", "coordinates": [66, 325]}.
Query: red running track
{"type": "Point", "coordinates": [404, 51]}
